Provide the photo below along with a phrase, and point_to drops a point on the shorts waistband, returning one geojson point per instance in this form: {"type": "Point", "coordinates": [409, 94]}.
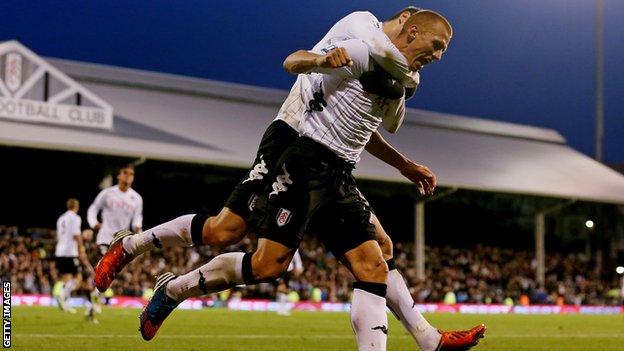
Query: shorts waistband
{"type": "Point", "coordinates": [327, 153]}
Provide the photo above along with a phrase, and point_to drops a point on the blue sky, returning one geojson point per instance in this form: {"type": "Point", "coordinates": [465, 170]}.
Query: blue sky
{"type": "Point", "coordinates": [522, 61]}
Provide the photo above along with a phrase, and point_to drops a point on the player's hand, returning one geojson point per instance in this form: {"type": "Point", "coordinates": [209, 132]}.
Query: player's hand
{"type": "Point", "coordinates": [338, 57]}
{"type": "Point", "coordinates": [420, 175]}
{"type": "Point", "coordinates": [97, 226]}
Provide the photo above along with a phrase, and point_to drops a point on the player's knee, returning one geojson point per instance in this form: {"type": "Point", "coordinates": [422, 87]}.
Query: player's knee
{"type": "Point", "coordinates": [220, 232]}
{"type": "Point", "coordinates": [267, 272]}
{"type": "Point", "coordinates": [218, 235]}
{"type": "Point", "coordinates": [385, 243]}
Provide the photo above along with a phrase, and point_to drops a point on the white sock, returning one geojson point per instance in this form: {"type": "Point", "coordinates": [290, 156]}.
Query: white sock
{"type": "Point", "coordinates": [369, 320]}
{"type": "Point", "coordinates": [68, 287]}
{"type": "Point", "coordinates": [401, 303]}
{"type": "Point", "coordinates": [221, 273]}
{"type": "Point", "coordinates": [176, 232]}
{"type": "Point", "coordinates": [94, 299]}
{"type": "Point", "coordinates": [282, 300]}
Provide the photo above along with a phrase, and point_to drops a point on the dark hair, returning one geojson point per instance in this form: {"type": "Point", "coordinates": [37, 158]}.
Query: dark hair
{"type": "Point", "coordinates": [411, 9]}
{"type": "Point", "coordinates": [126, 166]}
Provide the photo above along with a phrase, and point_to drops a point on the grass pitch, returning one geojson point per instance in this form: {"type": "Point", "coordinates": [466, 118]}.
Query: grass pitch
{"type": "Point", "coordinates": [47, 328]}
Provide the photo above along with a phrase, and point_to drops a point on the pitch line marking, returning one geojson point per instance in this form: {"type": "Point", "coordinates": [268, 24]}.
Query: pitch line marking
{"type": "Point", "coordinates": [271, 336]}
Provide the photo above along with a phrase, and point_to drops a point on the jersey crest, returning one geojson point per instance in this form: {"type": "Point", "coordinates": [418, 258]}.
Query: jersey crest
{"type": "Point", "coordinates": [283, 217]}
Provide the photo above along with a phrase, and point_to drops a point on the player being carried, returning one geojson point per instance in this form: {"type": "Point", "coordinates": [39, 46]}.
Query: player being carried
{"type": "Point", "coordinates": [231, 224]}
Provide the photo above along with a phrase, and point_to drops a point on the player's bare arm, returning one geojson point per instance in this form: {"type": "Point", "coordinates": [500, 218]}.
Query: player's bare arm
{"type": "Point", "coordinates": [303, 61]}
{"type": "Point", "coordinates": [82, 254]}
{"type": "Point", "coordinates": [421, 175]}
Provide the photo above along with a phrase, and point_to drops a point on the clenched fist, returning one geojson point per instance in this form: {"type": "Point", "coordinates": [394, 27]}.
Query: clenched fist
{"type": "Point", "coordinates": [336, 58]}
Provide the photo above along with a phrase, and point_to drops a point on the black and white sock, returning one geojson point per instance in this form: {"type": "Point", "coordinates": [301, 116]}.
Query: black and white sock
{"type": "Point", "coordinates": [221, 273]}
{"type": "Point", "coordinates": [402, 304]}
{"type": "Point", "coordinates": [368, 316]}
{"type": "Point", "coordinates": [176, 232]}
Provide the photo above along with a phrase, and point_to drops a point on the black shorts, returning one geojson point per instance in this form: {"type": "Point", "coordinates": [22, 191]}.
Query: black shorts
{"type": "Point", "coordinates": [67, 265]}
{"type": "Point", "coordinates": [277, 137]}
{"type": "Point", "coordinates": [309, 185]}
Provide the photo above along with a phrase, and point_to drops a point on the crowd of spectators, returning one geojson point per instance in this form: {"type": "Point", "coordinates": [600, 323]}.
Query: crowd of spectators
{"type": "Point", "coordinates": [478, 274]}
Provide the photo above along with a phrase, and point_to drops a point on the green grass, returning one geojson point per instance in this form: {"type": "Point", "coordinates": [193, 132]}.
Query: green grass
{"type": "Point", "coordinates": [46, 328]}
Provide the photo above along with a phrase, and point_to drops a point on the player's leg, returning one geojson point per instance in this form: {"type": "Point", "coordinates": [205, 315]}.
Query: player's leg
{"type": "Point", "coordinates": [401, 303]}
{"type": "Point", "coordinates": [352, 238]}
{"type": "Point", "coordinates": [399, 298]}
{"type": "Point", "coordinates": [268, 262]}
{"type": "Point", "coordinates": [95, 297]}
{"type": "Point", "coordinates": [188, 230]}
{"type": "Point", "coordinates": [368, 306]}
{"type": "Point", "coordinates": [63, 289]}
{"type": "Point", "coordinates": [281, 298]}
{"type": "Point", "coordinates": [279, 236]}
{"type": "Point", "coordinates": [225, 229]}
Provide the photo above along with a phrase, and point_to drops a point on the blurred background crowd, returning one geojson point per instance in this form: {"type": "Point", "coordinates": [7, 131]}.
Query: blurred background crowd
{"type": "Point", "coordinates": [478, 274]}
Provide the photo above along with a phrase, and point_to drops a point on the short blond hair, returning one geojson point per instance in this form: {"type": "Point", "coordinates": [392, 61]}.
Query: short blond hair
{"type": "Point", "coordinates": [72, 203]}
{"type": "Point", "coordinates": [427, 17]}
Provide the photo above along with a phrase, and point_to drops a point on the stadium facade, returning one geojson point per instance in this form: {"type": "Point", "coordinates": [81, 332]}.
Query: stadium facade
{"type": "Point", "coordinates": [71, 106]}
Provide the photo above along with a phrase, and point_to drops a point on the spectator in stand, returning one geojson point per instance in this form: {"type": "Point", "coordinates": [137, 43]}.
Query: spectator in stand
{"type": "Point", "coordinates": [478, 275]}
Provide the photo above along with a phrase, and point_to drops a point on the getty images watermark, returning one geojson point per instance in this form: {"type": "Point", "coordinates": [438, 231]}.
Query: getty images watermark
{"type": "Point", "coordinates": [6, 314]}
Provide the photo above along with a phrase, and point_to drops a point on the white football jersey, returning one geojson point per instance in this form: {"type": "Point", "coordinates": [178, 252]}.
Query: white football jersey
{"type": "Point", "coordinates": [120, 210]}
{"type": "Point", "coordinates": [365, 26]}
{"type": "Point", "coordinates": [67, 226]}
{"type": "Point", "coordinates": [339, 113]}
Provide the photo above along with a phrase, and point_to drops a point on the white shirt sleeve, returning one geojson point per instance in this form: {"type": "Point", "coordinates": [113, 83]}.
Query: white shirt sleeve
{"type": "Point", "coordinates": [95, 208]}
{"type": "Point", "coordinates": [394, 113]}
{"type": "Point", "coordinates": [363, 25]}
{"type": "Point", "coordinates": [137, 218]}
{"type": "Point", "coordinates": [358, 52]}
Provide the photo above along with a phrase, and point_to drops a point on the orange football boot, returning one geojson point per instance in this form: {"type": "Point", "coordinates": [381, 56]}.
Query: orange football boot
{"type": "Point", "coordinates": [113, 261]}
{"type": "Point", "coordinates": [461, 340]}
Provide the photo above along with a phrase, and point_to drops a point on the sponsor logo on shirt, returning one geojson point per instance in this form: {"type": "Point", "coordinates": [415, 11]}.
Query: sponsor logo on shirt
{"type": "Point", "coordinates": [121, 205]}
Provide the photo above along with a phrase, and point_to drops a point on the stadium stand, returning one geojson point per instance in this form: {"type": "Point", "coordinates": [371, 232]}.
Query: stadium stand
{"type": "Point", "coordinates": [480, 274]}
